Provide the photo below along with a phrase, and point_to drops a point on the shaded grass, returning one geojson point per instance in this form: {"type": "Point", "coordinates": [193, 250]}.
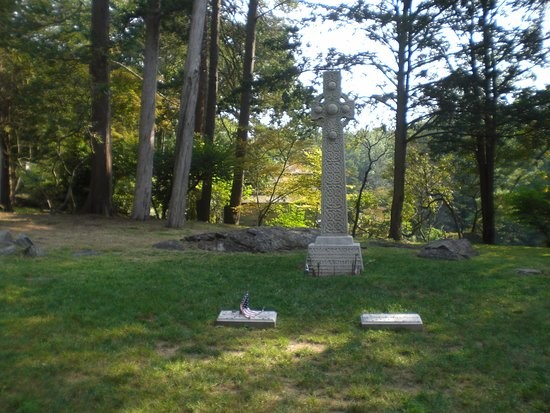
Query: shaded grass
{"type": "Point", "coordinates": [135, 331]}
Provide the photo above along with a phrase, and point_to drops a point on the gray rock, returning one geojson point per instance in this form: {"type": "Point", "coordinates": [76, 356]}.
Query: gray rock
{"type": "Point", "coordinates": [5, 237]}
{"type": "Point", "coordinates": [33, 251]}
{"type": "Point", "coordinates": [448, 249]}
{"type": "Point", "coordinates": [7, 249]}
{"type": "Point", "coordinates": [21, 244]}
{"type": "Point", "coordinates": [23, 241]}
{"type": "Point", "coordinates": [257, 239]}
{"type": "Point", "coordinates": [170, 245]}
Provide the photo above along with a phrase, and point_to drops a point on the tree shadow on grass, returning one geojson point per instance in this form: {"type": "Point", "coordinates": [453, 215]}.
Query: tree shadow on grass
{"type": "Point", "coordinates": [137, 336]}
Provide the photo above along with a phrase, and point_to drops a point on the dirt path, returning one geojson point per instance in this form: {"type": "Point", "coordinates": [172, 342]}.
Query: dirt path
{"type": "Point", "coordinates": [78, 232]}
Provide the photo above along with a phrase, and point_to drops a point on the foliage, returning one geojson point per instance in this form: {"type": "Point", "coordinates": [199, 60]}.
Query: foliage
{"type": "Point", "coordinates": [274, 85]}
{"type": "Point", "coordinates": [162, 178]}
{"type": "Point", "coordinates": [47, 144]}
{"type": "Point", "coordinates": [428, 193]}
{"type": "Point", "coordinates": [366, 158]}
{"type": "Point", "coordinates": [276, 168]}
{"type": "Point", "coordinates": [531, 206]}
{"type": "Point", "coordinates": [374, 218]}
{"type": "Point", "coordinates": [216, 158]}
{"type": "Point", "coordinates": [220, 192]}
{"type": "Point", "coordinates": [292, 216]}
{"type": "Point", "coordinates": [490, 60]}
{"type": "Point", "coordinates": [45, 110]}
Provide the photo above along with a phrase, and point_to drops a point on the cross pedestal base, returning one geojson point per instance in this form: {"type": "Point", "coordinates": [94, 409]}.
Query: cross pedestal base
{"type": "Point", "coordinates": [334, 255]}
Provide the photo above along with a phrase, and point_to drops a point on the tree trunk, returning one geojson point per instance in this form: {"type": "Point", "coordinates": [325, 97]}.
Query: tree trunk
{"type": "Point", "coordinates": [186, 121]}
{"type": "Point", "coordinates": [5, 187]}
{"type": "Point", "coordinates": [203, 85]}
{"type": "Point", "coordinates": [400, 149]}
{"type": "Point", "coordinates": [486, 185]}
{"type": "Point", "coordinates": [203, 210]}
{"type": "Point", "coordinates": [99, 199]}
{"type": "Point", "coordinates": [486, 148]}
{"type": "Point", "coordinates": [231, 211]}
{"type": "Point", "coordinates": [144, 172]}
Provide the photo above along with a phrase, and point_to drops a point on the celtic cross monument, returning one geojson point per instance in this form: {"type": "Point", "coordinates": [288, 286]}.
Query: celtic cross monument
{"type": "Point", "coordinates": [334, 252]}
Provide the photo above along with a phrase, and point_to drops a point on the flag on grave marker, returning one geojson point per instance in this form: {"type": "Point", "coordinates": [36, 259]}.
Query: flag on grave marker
{"type": "Point", "coordinates": [245, 309]}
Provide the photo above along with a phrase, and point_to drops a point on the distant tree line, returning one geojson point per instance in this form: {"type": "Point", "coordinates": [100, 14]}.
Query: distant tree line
{"type": "Point", "coordinates": [193, 110]}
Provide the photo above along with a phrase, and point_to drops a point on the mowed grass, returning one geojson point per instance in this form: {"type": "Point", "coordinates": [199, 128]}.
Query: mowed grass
{"type": "Point", "coordinates": [134, 331]}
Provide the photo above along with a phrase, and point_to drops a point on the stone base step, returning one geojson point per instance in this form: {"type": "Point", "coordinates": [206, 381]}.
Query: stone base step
{"type": "Point", "coordinates": [328, 260]}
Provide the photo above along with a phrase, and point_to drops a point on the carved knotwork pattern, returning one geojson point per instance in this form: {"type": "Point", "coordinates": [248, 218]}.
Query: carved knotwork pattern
{"type": "Point", "coordinates": [332, 222]}
{"type": "Point", "coordinates": [328, 110]}
{"type": "Point", "coordinates": [333, 191]}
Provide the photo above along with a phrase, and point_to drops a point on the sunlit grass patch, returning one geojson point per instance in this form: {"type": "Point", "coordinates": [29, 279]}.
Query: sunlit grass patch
{"type": "Point", "coordinates": [137, 333]}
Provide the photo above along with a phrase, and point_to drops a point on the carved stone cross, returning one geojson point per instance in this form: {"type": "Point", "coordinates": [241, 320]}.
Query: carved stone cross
{"type": "Point", "coordinates": [328, 110]}
{"type": "Point", "coordinates": [333, 252]}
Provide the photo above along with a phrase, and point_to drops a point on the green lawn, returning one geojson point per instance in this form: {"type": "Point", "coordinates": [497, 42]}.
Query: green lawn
{"type": "Point", "coordinates": [135, 332]}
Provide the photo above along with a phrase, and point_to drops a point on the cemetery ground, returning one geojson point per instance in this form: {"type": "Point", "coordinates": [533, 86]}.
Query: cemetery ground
{"type": "Point", "coordinates": [130, 328]}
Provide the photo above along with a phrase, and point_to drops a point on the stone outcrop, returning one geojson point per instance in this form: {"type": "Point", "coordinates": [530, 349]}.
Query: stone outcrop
{"type": "Point", "coordinates": [257, 239]}
{"type": "Point", "coordinates": [448, 249]}
{"type": "Point", "coordinates": [171, 244]}
{"type": "Point", "coordinates": [11, 244]}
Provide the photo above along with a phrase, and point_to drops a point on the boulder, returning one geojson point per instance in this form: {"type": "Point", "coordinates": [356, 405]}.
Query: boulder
{"type": "Point", "coordinates": [32, 251]}
{"type": "Point", "coordinates": [448, 249]}
{"type": "Point", "coordinates": [23, 241]}
{"type": "Point", "coordinates": [5, 237]}
{"type": "Point", "coordinates": [256, 239]}
{"type": "Point", "coordinates": [7, 249]}
{"type": "Point", "coordinates": [170, 245]}
{"type": "Point", "coordinates": [10, 245]}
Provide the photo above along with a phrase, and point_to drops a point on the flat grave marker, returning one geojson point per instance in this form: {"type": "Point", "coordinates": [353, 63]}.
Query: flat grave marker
{"type": "Point", "coordinates": [245, 316]}
{"type": "Point", "coordinates": [265, 319]}
{"type": "Point", "coordinates": [395, 321]}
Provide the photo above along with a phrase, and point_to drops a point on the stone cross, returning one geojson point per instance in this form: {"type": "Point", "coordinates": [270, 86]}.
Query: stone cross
{"type": "Point", "coordinates": [328, 110]}
{"type": "Point", "coordinates": [334, 252]}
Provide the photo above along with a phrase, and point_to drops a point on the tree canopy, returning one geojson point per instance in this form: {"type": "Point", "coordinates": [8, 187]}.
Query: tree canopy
{"type": "Point", "coordinates": [469, 148]}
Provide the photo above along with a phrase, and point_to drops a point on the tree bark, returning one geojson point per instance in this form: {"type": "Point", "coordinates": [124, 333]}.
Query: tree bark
{"type": "Point", "coordinates": [99, 199]}
{"type": "Point", "coordinates": [486, 185]}
{"type": "Point", "coordinates": [146, 148]}
{"type": "Point", "coordinates": [203, 210]}
{"type": "Point", "coordinates": [231, 211]}
{"type": "Point", "coordinates": [486, 145]}
{"type": "Point", "coordinates": [186, 121]}
{"type": "Point", "coordinates": [203, 85]}
{"type": "Point", "coordinates": [400, 149]}
{"type": "Point", "coordinates": [5, 187]}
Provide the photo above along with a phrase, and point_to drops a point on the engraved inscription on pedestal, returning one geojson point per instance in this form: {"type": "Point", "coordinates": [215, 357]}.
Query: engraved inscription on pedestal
{"type": "Point", "coordinates": [334, 252]}
{"type": "Point", "coordinates": [396, 321]}
{"type": "Point", "coordinates": [325, 260]}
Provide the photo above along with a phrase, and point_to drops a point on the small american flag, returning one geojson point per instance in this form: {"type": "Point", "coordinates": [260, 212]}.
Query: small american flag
{"type": "Point", "coordinates": [245, 309]}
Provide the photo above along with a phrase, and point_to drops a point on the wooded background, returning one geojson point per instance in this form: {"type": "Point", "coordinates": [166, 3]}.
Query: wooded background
{"type": "Point", "coordinates": [194, 110]}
